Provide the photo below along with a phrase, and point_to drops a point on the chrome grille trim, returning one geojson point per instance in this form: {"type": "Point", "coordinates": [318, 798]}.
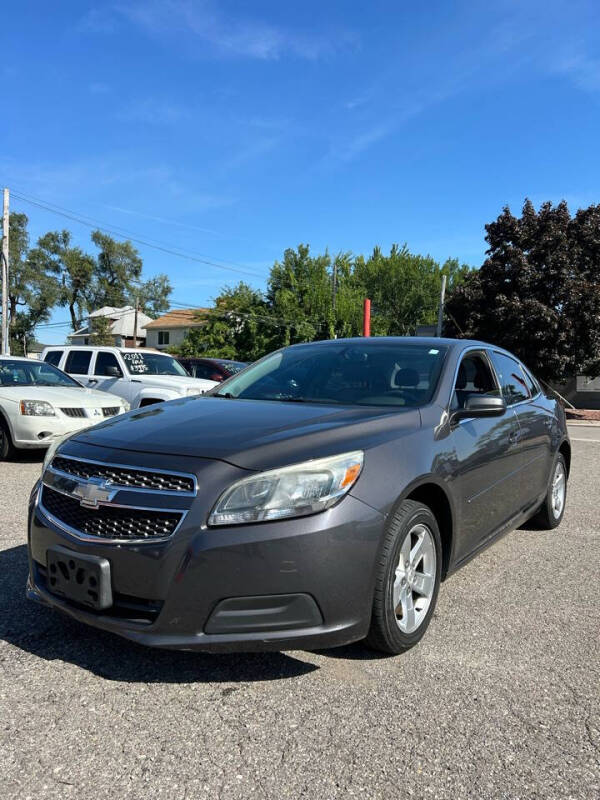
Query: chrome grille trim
{"type": "Point", "coordinates": [104, 539]}
{"type": "Point", "coordinates": [191, 478]}
{"type": "Point", "coordinates": [110, 411]}
{"type": "Point", "coordinates": [73, 412]}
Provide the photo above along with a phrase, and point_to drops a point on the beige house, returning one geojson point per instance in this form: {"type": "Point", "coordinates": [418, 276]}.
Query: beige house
{"type": "Point", "coordinates": [170, 330]}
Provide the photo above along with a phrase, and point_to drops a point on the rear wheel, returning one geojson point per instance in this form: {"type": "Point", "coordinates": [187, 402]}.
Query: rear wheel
{"type": "Point", "coordinates": [552, 509]}
{"type": "Point", "coordinates": [7, 449]}
{"type": "Point", "coordinates": [408, 579]}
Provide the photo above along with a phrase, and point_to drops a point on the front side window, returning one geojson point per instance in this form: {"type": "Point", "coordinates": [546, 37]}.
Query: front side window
{"type": "Point", "coordinates": [374, 374]}
{"type": "Point", "coordinates": [512, 380]}
{"type": "Point", "coordinates": [23, 373]}
{"type": "Point", "coordinates": [474, 377]}
{"type": "Point", "coordinates": [104, 360]}
{"type": "Point", "coordinates": [78, 362]}
{"type": "Point", "coordinates": [143, 363]}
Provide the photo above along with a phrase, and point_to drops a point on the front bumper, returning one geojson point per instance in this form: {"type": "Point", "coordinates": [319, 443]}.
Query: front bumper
{"type": "Point", "coordinates": [35, 432]}
{"type": "Point", "coordinates": [293, 584]}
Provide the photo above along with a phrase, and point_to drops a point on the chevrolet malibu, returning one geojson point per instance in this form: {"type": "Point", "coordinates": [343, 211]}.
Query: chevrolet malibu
{"type": "Point", "coordinates": [317, 498]}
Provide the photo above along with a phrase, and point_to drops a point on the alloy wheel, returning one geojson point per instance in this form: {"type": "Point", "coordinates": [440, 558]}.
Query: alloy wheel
{"type": "Point", "coordinates": [414, 579]}
{"type": "Point", "coordinates": [559, 484]}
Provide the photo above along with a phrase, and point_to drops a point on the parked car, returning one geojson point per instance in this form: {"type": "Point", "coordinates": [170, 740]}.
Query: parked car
{"type": "Point", "coordinates": [315, 499]}
{"type": "Point", "coordinates": [142, 377]}
{"type": "Point", "coordinates": [39, 403]}
{"type": "Point", "coordinates": [212, 369]}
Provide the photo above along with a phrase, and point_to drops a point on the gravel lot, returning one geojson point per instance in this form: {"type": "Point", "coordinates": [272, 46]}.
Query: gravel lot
{"type": "Point", "coordinates": [500, 700]}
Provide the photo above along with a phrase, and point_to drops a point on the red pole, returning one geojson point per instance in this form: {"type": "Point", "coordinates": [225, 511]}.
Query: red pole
{"type": "Point", "coordinates": [367, 318]}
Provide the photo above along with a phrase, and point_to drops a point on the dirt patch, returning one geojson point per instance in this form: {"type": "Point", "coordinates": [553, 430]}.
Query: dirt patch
{"type": "Point", "coordinates": [583, 414]}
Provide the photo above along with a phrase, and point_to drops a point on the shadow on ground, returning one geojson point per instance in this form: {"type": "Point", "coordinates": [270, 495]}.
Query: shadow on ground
{"type": "Point", "coordinates": [50, 635]}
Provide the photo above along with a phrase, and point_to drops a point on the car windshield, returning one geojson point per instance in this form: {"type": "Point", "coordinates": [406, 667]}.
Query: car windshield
{"type": "Point", "coordinates": [348, 373]}
{"type": "Point", "coordinates": [33, 373]}
{"type": "Point", "coordinates": [152, 364]}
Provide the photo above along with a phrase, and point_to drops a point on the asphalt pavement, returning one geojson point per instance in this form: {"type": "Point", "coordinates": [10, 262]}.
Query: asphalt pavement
{"type": "Point", "coordinates": [500, 700]}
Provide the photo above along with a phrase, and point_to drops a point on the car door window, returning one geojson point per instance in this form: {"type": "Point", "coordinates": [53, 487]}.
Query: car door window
{"type": "Point", "coordinates": [512, 380]}
{"type": "Point", "coordinates": [78, 362]}
{"type": "Point", "coordinates": [53, 357]}
{"type": "Point", "coordinates": [474, 377]}
{"type": "Point", "coordinates": [104, 360]}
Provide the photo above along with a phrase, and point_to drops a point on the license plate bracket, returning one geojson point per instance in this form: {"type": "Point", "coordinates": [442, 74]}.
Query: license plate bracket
{"type": "Point", "coordinates": [79, 577]}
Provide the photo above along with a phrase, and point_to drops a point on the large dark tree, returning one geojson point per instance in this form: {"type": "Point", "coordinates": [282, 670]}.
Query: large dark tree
{"type": "Point", "coordinates": [538, 291]}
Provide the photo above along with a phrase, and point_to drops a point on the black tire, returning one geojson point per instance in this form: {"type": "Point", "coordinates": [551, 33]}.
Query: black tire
{"type": "Point", "coordinates": [7, 449]}
{"type": "Point", "coordinates": [385, 633]}
{"type": "Point", "coordinates": [546, 517]}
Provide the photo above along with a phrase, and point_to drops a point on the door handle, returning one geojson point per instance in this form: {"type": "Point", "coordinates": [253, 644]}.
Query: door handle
{"type": "Point", "coordinates": [92, 380]}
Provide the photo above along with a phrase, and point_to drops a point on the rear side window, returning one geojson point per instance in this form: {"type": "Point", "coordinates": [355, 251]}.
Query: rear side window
{"type": "Point", "coordinates": [78, 362]}
{"type": "Point", "coordinates": [206, 371]}
{"type": "Point", "coordinates": [512, 380]}
{"type": "Point", "coordinates": [53, 357]}
{"type": "Point", "coordinates": [105, 360]}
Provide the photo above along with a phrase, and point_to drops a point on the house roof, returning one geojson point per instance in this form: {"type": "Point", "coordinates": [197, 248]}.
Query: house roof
{"type": "Point", "coordinates": [178, 318]}
{"type": "Point", "coordinates": [123, 324]}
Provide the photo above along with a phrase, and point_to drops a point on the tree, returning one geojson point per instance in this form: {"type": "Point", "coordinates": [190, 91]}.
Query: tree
{"type": "Point", "coordinates": [404, 288]}
{"type": "Point", "coordinates": [153, 295]}
{"type": "Point", "coordinates": [538, 291]}
{"type": "Point", "coordinates": [75, 269]}
{"type": "Point", "coordinates": [33, 286]}
{"type": "Point", "coordinates": [101, 334]}
{"type": "Point", "coordinates": [118, 268]}
{"type": "Point", "coordinates": [237, 327]}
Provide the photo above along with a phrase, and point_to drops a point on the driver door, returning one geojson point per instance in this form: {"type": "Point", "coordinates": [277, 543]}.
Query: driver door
{"type": "Point", "coordinates": [105, 364]}
{"type": "Point", "coordinates": [487, 456]}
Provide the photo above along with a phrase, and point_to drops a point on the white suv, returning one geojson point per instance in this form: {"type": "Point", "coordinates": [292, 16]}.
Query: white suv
{"type": "Point", "coordinates": [140, 376]}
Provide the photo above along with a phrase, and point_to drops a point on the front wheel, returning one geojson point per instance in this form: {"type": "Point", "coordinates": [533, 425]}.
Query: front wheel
{"type": "Point", "coordinates": [408, 579]}
{"type": "Point", "coordinates": [7, 449]}
{"type": "Point", "coordinates": [552, 509]}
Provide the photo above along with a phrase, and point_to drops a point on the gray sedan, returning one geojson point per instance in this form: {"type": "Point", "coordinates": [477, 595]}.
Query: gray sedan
{"type": "Point", "coordinates": [317, 498]}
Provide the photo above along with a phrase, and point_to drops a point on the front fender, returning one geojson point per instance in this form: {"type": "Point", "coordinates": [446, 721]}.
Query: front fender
{"type": "Point", "coordinates": [155, 393]}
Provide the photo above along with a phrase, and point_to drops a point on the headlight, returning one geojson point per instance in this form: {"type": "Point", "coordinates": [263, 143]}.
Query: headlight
{"type": "Point", "coordinates": [126, 405]}
{"type": "Point", "coordinates": [288, 492]}
{"type": "Point", "coordinates": [36, 408]}
{"type": "Point", "coordinates": [51, 451]}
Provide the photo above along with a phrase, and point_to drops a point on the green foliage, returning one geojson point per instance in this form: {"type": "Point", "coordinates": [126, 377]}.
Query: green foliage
{"type": "Point", "coordinates": [75, 270]}
{"type": "Point", "coordinates": [118, 267]}
{"type": "Point", "coordinates": [319, 297]}
{"type": "Point", "coordinates": [33, 286]}
{"type": "Point", "coordinates": [101, 334]}
{"type": "Point", "coordinates": [538, 291]}
{"type": "Point", "coordinates": [152, 295]}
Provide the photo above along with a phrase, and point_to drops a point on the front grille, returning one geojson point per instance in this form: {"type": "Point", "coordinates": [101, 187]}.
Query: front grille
{"type": "Point", "coordinates": [111, 411]}
{"type": "Point", "coordinates": [110, 522]}
{"type": "Point", "coordinates": [73, 412]}
{"type": "Point", "coordinates": [125, 476]}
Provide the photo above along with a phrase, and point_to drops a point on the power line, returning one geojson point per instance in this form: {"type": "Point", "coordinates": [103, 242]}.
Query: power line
{"type": "Point", "coordinates": [123, 233]}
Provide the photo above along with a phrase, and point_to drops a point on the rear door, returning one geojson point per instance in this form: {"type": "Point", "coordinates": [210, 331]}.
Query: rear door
{"type": "Point", "coordinates": [77, 364]}
{"type": "Point", "coordinates": [487, 456]}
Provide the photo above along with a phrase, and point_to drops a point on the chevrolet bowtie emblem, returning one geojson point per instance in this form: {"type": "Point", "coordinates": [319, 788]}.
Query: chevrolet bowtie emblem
{"type": "Point", "coordinates": [93, 492]}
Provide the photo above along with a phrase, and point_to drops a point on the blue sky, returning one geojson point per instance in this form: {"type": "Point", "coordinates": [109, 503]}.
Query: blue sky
{"type": "Point", "coordinates": [233, 130]}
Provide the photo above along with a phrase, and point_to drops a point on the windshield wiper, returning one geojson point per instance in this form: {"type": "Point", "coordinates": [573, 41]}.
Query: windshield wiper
{"type": "Point", "coordinates": [226, 395]}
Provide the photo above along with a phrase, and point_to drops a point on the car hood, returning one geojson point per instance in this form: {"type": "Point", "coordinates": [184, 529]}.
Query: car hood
{"type": "Point", "coordinates": [251, 434]}
{"type": "Point", "coordinates": [181, 382]}
{"type": "Point", "coordinates": [67, 396]}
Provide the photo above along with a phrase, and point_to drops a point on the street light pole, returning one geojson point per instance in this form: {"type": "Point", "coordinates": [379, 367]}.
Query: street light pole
{"type": "Point", "coordinates": [5, 227]}
{"type": "Point", "coordinates": [441, 308]}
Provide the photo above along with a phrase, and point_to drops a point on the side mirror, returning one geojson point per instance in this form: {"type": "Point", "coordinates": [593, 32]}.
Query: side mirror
{"type": "Point", "coordinates": [113, 372]}
{"type": "Point", "coordinates": [481, 406]}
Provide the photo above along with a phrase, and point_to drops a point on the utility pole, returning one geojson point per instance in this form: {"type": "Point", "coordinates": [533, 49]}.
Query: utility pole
{"type": "Point", "coordinates": [5, 226]}
{"type": "Point", "coordinates": [441, 308]}
{"type": "Point", "coordinates": [135, 322]}
{"type": "Point", "coordinates": [334, 285]}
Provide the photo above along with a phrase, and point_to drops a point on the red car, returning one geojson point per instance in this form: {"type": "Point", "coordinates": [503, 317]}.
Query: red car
{"type": "Point", "coordinates": [212, 369]}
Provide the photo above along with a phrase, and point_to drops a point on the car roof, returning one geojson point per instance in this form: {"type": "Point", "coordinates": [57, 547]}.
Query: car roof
{"type": "Point", "coordinates": [93, 347]}
{"type": "Point", "coordinates": [19, 358]}
{"type": "Point", "coordinates": [427, 341]}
